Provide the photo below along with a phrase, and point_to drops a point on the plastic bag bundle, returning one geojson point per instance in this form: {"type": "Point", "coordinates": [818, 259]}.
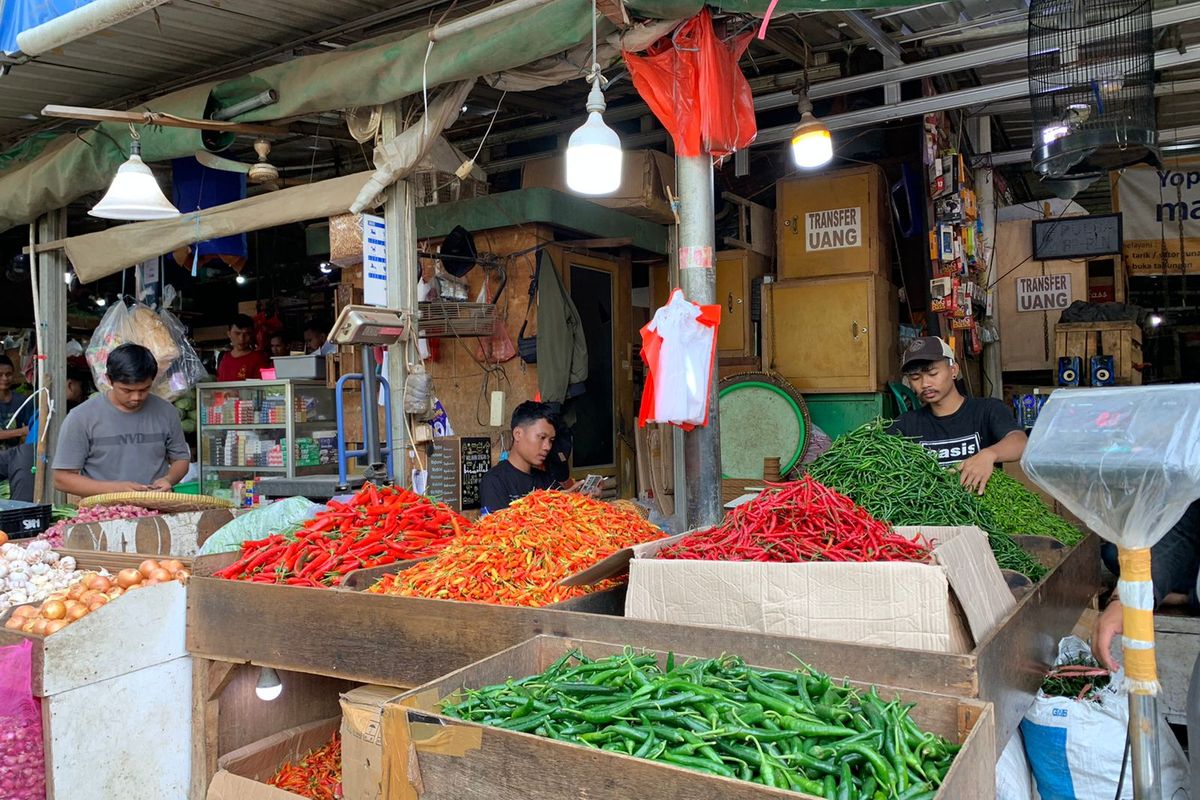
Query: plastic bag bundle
{"type": "Point", "coordinates": [22, 755]}
{"type": "Point", "coordinates": [179, 366]}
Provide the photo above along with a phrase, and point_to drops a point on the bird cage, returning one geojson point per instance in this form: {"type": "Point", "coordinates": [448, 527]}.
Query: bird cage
{"type": "Point", "coordinates": [1091, 87]}
{"type": "Point", "coordinates": [436, 178]}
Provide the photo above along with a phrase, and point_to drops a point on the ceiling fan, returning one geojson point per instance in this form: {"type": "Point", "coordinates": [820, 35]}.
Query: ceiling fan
{"type": "Point", "coordinates": [261, 173]}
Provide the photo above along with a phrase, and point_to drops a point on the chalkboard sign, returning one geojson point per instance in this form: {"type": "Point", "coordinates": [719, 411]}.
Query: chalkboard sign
{"type": "Point", "coordinates": [456, 466]}
{"type": "Point", "coordinates": [1077, 237]}
{"type": "Point", "coordinates": [476, 461]}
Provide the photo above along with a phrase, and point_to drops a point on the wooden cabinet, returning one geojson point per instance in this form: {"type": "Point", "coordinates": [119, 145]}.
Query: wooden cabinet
{"type": "Point", "coordinates": [834, 223]}
{"type": "Point", "coordinates": [737, 271]}
{"type": "Point", "coordinates": [835, 334]}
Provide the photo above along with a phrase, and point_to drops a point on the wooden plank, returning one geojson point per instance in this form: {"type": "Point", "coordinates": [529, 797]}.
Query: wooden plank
{"type": "Point", "coordinates": [209, 679]}
{"type": "Point", "coordinates": [156, 118]}
{"type": "Point", "coordinates": [448, 771]}
{"type": "Point", "coordinates": [244, 719]}
{"type": "Point", "coordinates": [405, 641]}
{"type": "Point", "coordinates": [1012, 661]}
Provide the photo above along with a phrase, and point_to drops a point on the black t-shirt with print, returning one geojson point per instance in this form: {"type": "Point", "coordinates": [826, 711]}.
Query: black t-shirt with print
{"type": "Point", "coordinates": [979, 423]}
{"type": "Point", "coordinates": [504, 483]}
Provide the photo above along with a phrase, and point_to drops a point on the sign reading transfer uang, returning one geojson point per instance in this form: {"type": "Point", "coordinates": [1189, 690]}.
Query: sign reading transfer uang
{"type": "Point", "coordinates": [833, 229]}
{"type": "Point", "coordinates": [1043, 292]}
{"type": "Point", "coordinates": [1161, 217]}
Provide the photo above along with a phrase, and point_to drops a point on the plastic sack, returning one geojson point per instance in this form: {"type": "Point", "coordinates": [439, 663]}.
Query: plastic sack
{"type": "Point", "coordinates": [679, 347]}
{"type": "Point", "coordinates": [1124, 460]}
{"type": "Point", "coordinates": [1014, 781]}
{"type": "Point", "coordinates": [187, 370]}
{"type": "Point", "coordinates": [1075, 747]}
{"type": "Point", "coordinates": [22, 756]}
{"type": "Point", "coordinates": [692, 83]}
{"type": "Point", "coordinates": [260, 523]}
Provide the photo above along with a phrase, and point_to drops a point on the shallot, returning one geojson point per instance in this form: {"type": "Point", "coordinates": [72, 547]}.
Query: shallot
{"type": "Point", "coordinates": [54, 534]}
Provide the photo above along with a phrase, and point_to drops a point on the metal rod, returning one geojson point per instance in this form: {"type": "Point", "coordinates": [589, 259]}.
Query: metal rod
{"type": "Point", "coordinates": [268, 98]}
{"type": "Point", "coordinates": [1143, 739]}
{"type": "Point", "coordinates": [370, 401]}
{"type": "Point", "coordinates": [74, 25]}
{"type": "Point", "coordinates": [490, 14]}
{"type": "Point", "coordinates": [985, 188]}
{"type": "Point", "coordinates": [698, 279]}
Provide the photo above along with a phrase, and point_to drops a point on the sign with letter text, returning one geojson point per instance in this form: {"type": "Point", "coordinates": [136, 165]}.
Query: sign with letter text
{"type": "Point", "coordinates": [1043, 292]}
{"type": "Point", "coordinates": [375, 266]}
{"type": "Point", "coordinates": [1161, 210]}
{"type": "Point", "coordinates": [833, 229]}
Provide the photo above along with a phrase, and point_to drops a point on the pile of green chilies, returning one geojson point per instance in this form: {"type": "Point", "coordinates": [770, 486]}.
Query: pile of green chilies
{"type": "Point", "coordinates": [1016, 510]}
{"type": "Point", "coordinates": [789, 730]}
{"type": "Point", "coordinates": [897, 480]}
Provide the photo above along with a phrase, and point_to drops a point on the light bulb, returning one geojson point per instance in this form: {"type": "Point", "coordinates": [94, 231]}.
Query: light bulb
{"type": "Point", "coordinates": [594, 151]}
{"type": "Point", "coordinates": [1156, 320]}
{"type": "Point", "coordinates": [269, 686]}
{"type": "Point", "coordinates": [101, 302]}
{"type": "Point", "coordinates": [68, 277]}
{"type": "Point", "coordinates": [812, 144]}
{"type": "Point", "coordinates": [133, 193]}
{"type": "Point", "coordinates": [241, 279]}
{"type": "Point", "coordinates": [326, 268]}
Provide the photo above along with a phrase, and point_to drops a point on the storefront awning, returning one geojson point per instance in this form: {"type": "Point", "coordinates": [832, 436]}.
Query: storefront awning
{"type": "Point", "coordinates": [95, 255]}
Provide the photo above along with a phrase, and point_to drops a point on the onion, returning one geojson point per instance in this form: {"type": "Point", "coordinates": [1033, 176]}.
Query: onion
{"type": "Point", "coordinates": [147, 566]}
{"type": "Point", "coordinates": [99, 583]}
{"type": "Point", "coordinates": [14, 623]}
{"type": "Point", "coordinates": [76, 591]}
{"type": "Point", "coordinates": [128, 577]}
{"type": "Point", "coordinates": [54, 626]}
{"type": "Point", "coordinates": [94, 606]}
{"type": "Point", "coordinates": [151, 582]}
{"type": "Point", "coordinates": [115, 592]}
{"type": "Point", "coordinates": [54, 609]}
{"type": "Point", "coordinates": [182, 575]}
{"type": "Point", "coordinates": [161, 575]}
{"type": "Point", "coordinates": [39, 626]}
{"type": "Point", "coordinates": [24, 611]}
{"type": "Point", "coordinates": [172, 566]}
{"type": "Point", "coordinates": [78, 612]}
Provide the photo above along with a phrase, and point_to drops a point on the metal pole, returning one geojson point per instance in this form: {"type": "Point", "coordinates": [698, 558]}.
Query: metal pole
{"type": "Point", "coordinates": [399, 215]}
{"type": "Point", "coordinates": [698, 279]}
{"type": "Point", "coordinates": [1143, 740]}
{"type": "Point", "coordinates": [986, 194]}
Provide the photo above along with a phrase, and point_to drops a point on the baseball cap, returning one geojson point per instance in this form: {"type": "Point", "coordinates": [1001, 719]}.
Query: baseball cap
{"type": "Point", "coordinates": [925, 348]}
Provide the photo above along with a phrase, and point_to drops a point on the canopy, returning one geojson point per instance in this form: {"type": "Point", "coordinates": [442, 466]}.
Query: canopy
{"type": "Point", "coordinates": [43, 175]}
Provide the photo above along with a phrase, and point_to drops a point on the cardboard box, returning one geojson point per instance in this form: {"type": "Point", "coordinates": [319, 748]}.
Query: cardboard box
{"type": "Point", "coordinates": [243, 774]}
{"type": "Point", "coordinates": [645, 176]}
{"type": "Point", "coordinates": [947, 606]}
{"type": "Point", "coordinates": [429, 756]}
{"type": "Point", "coordinates": [362, 741]}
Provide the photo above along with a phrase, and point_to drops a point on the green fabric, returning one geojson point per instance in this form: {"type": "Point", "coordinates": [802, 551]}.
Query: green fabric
{"type": "Point", "coordinates": [562, 356]}
{"type": "Point", "coordinates": [370, 73]}
{"type": "Point", "coordinates": [546, 206]}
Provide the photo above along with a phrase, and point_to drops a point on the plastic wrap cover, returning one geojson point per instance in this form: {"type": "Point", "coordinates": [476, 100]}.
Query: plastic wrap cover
{"type": "Point", "coordinates": [1124, 460]}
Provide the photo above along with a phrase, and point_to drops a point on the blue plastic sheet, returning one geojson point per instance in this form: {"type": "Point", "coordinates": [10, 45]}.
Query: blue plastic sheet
{"type": "Point", "coordinates": [21, 15]}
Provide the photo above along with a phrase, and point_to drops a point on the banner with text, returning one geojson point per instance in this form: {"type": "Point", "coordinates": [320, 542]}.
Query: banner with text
{"type": "Point", "coordinates": [1161, 217]}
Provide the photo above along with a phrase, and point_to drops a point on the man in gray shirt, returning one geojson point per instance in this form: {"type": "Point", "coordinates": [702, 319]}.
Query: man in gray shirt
{"type": "Point", "coordinates": [127, 440]}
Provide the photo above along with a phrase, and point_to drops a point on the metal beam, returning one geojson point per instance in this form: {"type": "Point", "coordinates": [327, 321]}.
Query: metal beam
{"type": "Point", "coordinates": [1190, 133]}
{"type": "Point", "coordinates": [1166, 89]}
{"type": "Point", "coordinates": [870, 30]}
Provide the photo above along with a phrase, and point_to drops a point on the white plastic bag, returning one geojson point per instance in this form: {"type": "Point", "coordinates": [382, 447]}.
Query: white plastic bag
{"type": "Point", "coordinates": [1014, 781]}
{"type": "Point", "coordinates": [1075, 747]}
{"type": "Point", "coordinates": [179, 367]}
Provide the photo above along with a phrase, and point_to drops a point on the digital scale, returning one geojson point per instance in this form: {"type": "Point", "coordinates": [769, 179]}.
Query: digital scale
{"type": "Point", "coordinates": [1126, 461]}
{"type": "Point", "coordinates": [366, 327]}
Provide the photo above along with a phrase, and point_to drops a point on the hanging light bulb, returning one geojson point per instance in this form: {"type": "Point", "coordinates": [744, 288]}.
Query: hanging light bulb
{"type": "Point", "coordinates": [240, 279]}
{"type": "Point", "coordinates": [594, 149]}
{"type": "Point", "coordinates": [812, 144]}
{"type": "Point", "coordinates": [269, 686]}
{"type": "Point", "coordinates": [101, 301]}
{"type": "Point", "coordinates": [134, 194]}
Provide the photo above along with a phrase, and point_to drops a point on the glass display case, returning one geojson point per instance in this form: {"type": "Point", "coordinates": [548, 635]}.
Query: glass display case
{"type": "Point", "coordinates": [246, 430]}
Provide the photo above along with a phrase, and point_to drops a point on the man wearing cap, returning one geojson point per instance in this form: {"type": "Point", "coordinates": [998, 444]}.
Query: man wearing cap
{"type": "Point", "coordinates": [969, 434]}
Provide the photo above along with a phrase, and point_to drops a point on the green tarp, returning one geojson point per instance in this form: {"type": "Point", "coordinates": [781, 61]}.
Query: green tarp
{"type": "Point", "coordinates": [40, 176]}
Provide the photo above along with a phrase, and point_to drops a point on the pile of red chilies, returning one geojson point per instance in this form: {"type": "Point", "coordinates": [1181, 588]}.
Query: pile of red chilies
{"type": "Point", "coordinates": [800, 521]}
{"type": "Point", "coordinates": [378, 526]}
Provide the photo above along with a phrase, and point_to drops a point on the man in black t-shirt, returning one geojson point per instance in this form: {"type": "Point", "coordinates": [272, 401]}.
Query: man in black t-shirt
{"type": "Point", "coordinates": [533, 436]}
{"type": "Point", "coordinates": [970, 434]}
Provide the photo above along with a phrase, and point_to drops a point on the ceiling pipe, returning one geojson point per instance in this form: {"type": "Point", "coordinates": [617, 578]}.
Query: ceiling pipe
{"type": "Point", "coordinates": [490, 14]}
{"type": "Point", "coordinates": [84, 20]}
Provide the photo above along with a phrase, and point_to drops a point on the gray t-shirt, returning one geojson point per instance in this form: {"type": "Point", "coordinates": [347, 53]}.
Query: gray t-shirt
{"type": "Point", "coordinates": [107, 444]}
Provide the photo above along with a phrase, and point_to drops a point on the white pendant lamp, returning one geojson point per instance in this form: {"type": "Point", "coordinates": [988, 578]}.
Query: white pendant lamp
{"type": "Point", "coordinates": [812, 144]}
{"type": "Point", "coordinates": [594, 149]}
{"type": "Point", "coordinates": [134, 194]}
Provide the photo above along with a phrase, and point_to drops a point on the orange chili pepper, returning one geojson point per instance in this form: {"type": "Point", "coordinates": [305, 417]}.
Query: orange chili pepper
{"type": "Point", "coordinates": [518, 555]}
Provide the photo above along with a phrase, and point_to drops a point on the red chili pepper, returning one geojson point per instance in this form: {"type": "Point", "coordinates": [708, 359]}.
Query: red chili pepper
{"type": "Point", "coordinates": [799, 521]}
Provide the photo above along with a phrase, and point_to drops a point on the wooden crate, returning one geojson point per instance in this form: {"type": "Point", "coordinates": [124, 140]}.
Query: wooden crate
{"type": "Point", "coordinates": [861, 191]}
{"type": "Point", "coordinates": [832, 334]}
{"type": "Point", "coordinates": [126, 660]}
{"type": "Point", "coordinates": [404, 641]}
{"type": "Point", "coordinates": [433, 757]}
{"type": "Point", "coordinates": [1121, 340]}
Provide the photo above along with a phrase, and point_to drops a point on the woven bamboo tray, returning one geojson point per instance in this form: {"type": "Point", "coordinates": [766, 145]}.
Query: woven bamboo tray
{"type": "Point", "coordinates": [166, 502]}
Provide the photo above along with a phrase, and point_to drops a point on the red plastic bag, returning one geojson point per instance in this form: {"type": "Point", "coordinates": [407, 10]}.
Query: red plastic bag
{"type": "Point", "coordinates": [22, 758]}
{"type": "Point", "coordinates": [692, 83]}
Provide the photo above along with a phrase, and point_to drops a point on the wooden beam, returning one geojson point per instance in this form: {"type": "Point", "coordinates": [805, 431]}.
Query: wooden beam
{"type": "Point", "coordinates": [156, 118]}
{"type": "Point", "coordinates": [614, 10]}
{"type": "Point", "coordinates": [46, 247]}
